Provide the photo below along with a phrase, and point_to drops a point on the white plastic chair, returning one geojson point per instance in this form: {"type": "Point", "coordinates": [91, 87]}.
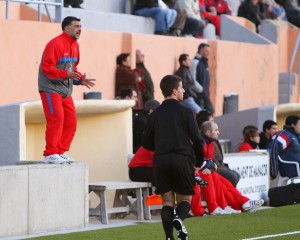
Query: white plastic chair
{"type": "Point", "coordinates": [282, 181]}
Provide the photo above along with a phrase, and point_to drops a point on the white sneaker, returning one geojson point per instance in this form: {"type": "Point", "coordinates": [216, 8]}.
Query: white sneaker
{"type": "Point", "coordinates": [67, 158]}
{"type": "Point", "coordinates": [54, 158]}
{"type": "Point", "coordinates": [219, 211]}
{"type": "Point", "coordinates": [231, 210]}
{"type": "Point", "coordinates": [252, 205]}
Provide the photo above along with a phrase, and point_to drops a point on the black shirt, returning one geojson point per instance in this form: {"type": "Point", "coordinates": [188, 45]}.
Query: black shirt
{"type": "Point", "coordinates": [172, 128]}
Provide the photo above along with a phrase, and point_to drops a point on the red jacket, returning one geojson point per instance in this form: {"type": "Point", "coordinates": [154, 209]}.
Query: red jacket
{"type": "Point", "coordinates": [245, 147]}
{"type": "Point", "coordinates": [142, 158]}
{"type": "Point", "coordinates": [60, 55]}
{"type": "Point", "coordinates": [220, 5]}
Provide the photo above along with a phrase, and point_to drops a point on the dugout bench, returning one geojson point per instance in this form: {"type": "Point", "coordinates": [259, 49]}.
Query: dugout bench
{"type": "Point", "coordinates": [121, 202]}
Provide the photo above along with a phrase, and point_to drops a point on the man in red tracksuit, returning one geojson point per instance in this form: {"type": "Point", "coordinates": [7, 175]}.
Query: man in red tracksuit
{"type": "Point", "coordinates": [220, 195]}
{"type": "Point", "coordinates": [57, 74]}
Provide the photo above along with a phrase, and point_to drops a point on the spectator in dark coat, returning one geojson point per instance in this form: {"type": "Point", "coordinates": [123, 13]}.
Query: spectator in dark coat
{"type": "Point", "coordinates": [249, 9]}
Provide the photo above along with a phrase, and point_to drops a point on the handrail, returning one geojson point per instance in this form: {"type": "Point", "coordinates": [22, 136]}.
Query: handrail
{"type": "Point", "coordinates": [296, 48]}
{"type": "Point", "coordinates": [58, 8]}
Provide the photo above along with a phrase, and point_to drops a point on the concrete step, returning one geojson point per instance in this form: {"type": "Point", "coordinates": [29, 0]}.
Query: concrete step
{"type": "Point", "coordinates": [109, 21]}
{"type": "Point", "coordinates": [283, 87]}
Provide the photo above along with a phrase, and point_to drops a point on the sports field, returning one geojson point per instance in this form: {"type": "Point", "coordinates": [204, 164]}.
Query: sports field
{"type": "Point", "coordinates": [274, 223]}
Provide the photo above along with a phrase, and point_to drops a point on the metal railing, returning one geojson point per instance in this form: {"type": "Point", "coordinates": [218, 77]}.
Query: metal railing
{"type": "Point", "coordinates": [57, 3]}
{"type": "Point", "coordinates": [296, 49]}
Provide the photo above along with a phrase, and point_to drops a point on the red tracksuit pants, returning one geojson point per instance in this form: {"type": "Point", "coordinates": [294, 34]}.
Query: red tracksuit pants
{"type": "Point", "coordinates": [233, 197]}
{"type": "Point", "coordinates": [61, 122]}
{"type": "Point", "coordinates": [219, 193]}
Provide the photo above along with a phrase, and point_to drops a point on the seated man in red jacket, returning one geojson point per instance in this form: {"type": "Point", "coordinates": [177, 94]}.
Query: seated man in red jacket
{"type": "Point", "coordinates": [220, 195]}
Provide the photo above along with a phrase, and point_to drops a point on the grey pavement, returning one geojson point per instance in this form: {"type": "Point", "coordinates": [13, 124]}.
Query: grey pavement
{"type": "Point", "coordinates": [94, 224]}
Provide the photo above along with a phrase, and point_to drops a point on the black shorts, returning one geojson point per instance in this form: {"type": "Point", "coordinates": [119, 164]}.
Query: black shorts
{"type": "Point", "coordinates": [174, 172]}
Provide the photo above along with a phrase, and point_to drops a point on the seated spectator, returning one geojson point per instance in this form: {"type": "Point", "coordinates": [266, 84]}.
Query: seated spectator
{"type": "Point", "coordinates": [251, 139]}
{"type": "Point", "coordinates": [223, 168]}
{"type": "Point", "coordinates": [269, 130]}
{"type": "Point", "coordinates": [148, 89]}
{"type": "Point", "coordinates": [292, 11]}
{"type": "Point", "coordinates": [217, 7]}
{"type": "Point", "coordinates": [178, 26]}
{"type": "Point", "coordinates": [286, 144]}
{"type": "Point", "coordinates": [141, 166]}
{"type": "Point", "coordinates": [127, 78]}
{"type": "Point", "coordinates": [249, 9]}
{"type": "Point", "coordinates": [194, 23]}
{"type": "Point", "coordinates": [188, 84]}
{"type": "Point", "coordinates": [220, 195]}
{"type": "Point", "coordinates": [140, 122]}
{"type": "Point", "coordinates": [268, 9]}
{"type": "Point", "coordinates": [213, 18]}
{"type": "Point", "coordinates": [164, 18]}
{"type": "Point", "coordinates": [73, 3]}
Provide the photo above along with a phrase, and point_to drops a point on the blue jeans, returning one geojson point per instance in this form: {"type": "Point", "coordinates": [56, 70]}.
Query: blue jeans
{"type": "Point", "coordinates": [158, 14]}
{"type": "Point", "coordinates": [192, 26]}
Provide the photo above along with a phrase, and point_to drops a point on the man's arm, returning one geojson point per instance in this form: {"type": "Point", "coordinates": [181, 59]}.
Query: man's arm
{"type": "Point", "coordinates": [49, 61]}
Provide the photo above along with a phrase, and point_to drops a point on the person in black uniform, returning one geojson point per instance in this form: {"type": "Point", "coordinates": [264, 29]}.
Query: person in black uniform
{"type": "Point", "coordinates": [172, 133]}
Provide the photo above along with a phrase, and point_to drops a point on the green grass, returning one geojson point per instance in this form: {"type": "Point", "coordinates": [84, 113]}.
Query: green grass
{"type": "Point", "coordinates": [227, 227]}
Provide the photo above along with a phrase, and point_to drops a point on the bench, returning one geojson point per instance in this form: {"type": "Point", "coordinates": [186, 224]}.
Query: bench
{"type": "Point", "coordinates": [121, 202]}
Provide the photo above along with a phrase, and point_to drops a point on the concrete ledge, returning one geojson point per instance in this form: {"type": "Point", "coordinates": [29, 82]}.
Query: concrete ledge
{"type": "Point", "coordinates": [109, 21]}
{"type": "Point", "coordinates": [240, 30]}
{"type": "Point", "coordinates": [36, 198]}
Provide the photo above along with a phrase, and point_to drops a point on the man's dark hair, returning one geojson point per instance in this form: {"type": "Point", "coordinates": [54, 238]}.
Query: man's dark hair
{"type": "Point", "coordinates": [292, 119]}
{"type": "Point", "coordinates": [182, 58]}
{"type": "Point", "coordinates": [121, 58]}
{"type": "Point", "coordinates": [68, 21]}
{"type": "Point", "coordinates": [268, 124]}
{"type": "Point", "coordinates": [201, 46]}
{"type": "Point", "coordinates": [168, 83]}
{"type": "Point", "coordinates": [202, 117]}
{"type": "Point", "coordinates": [126, 92]}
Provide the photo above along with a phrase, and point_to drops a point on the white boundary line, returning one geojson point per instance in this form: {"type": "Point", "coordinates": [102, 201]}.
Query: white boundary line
{"type": "Point", "coordinates": [272, 236]}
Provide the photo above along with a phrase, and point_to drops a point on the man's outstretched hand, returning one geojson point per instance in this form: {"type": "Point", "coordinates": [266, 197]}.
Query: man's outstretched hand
{"type": "Point", "coordinates": [87, 82]}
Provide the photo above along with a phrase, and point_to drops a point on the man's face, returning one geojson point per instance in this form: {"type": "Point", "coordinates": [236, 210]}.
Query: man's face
{"type": "Point", "coordinates": [271, 132]}
{"type": "Point", "coordinates": [74, 30]}
{"type": "Point", "coordinates": [134, 96]}
{"type": "Point", "coordinates": [205, 52]}
{"type": "Point", "coordinates": [127, 62]}
{"type": "Point", "coordinates": [214, 132]}
{"type": "Point", "coordinates": [188, 62]}
{"type": "Point", "coordinates": [297, 127]}
{"type": "Point", "coordinates": [139, 56]}
{"type": "Point", "coordinates": [179, 92]}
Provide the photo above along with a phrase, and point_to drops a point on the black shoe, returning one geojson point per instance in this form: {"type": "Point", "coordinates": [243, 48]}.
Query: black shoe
{"type": "Point", "coordinates": [180, 229]}
{"type": "Point", "coordinates": [164, 33]}
{"type": "Point", "coordinates": [201, 182]}
{"type": "Point", "coordinates": [205, 214]}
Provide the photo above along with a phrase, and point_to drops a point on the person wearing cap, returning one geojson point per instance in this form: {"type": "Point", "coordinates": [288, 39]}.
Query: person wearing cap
{"type": "Point", "coordinates": [286, 144]}
{"type": "Point", "coordinates": [140, 121]}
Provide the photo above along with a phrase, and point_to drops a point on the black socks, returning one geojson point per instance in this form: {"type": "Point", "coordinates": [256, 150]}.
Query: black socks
{"type": "Point", "coordinates": [183, 209]}
{"type": "Point", "coordinates": [167, 216]}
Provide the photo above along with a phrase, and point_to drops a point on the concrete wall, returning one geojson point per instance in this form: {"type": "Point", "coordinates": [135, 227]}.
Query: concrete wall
{"type": "Point", "coordinates": [231, 125]}
{"type": "Point", "coordinates": [284, 35]}
{"type": "Point", "coordinates": [240, 30]}
{"type": "Point", "coordinates": [103, 138]}
{"type": "Point", "coordinates": [36, 198]}
{"type": "Point", "coordinates": [235, 67]}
